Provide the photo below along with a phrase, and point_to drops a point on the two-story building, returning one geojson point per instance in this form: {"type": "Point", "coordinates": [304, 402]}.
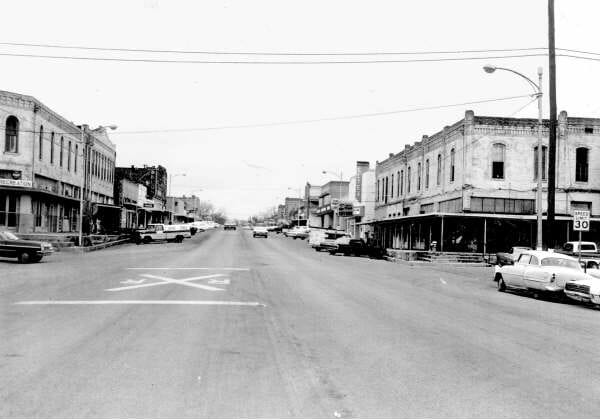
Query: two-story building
{"type": "Point", "coordinates": [362, 191]}
{"type": "Point", "coordinates": [334, 205]}
{"type": "Point", "coordinates": [43, 167]}
{"type": "Point", "coordinates": [472, 186]}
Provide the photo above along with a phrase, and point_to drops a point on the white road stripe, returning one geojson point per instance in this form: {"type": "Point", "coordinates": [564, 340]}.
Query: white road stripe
{"type": "Point", "coordinates": [190, 268]}
{"type": "Point", "coordinates": [443, 281]}
{"type": "Point", "coordinates": [138, 302]}
{"type": "Point", "coordinates": [138, 286]}
{"type": "Point", "coordinates": [185, 282]}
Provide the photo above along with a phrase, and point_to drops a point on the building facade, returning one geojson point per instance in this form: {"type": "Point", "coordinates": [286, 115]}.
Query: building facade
{"type": "Point", "coordinates": [472, 186]}
{"type": "Point", "coordinates": [363, 202]}
{"type": "Point", "coordinates": [41, 167]}
{"type": "Point", "coordinates": [154, 201]}
{"type": "Point", "coordinates": [334, 205]}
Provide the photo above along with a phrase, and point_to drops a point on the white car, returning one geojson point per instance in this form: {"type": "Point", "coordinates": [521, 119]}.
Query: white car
{"type": "Point", "coordinates": [541, 271]}
{"type": "Point", "coordinates": [260, 231]}
{"type": "Point", "coordinates": [585, 290]}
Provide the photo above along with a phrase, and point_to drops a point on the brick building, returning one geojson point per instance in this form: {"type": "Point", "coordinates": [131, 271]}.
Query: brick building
{"type": "Point", "coordinates": [472, 186]}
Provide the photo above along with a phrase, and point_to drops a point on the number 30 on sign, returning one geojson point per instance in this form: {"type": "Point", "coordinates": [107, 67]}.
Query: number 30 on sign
{"type": "Point", "coordinates": [581, 220]}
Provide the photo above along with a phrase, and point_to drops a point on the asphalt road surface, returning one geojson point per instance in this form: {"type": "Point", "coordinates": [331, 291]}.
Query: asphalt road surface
{"type": "Point", "coordinates": [225, 325]}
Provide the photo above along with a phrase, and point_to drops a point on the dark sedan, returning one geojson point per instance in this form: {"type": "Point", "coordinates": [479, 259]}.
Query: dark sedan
{"type": "Point", "coordinates": [25, 251]}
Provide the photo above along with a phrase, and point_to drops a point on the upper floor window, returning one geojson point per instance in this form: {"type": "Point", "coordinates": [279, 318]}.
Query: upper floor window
{"type": "Point", "coordinates": [69, 157]}
{"type": "Point", "coordinates": [498, 155]}
{"type": "Point", "coordinates": [61, 151]}
{"type": "Point", "coordinates": [385, 195]}
{"type": "Point", "coordinates": [581, 164]}
{"type": "Point", "coordinates": [427, 174]}
{"type": "Point", "coordinates": [75, 158]}
{"type": "Point", "coordinates": [378, 191]}
{"type": "Point", "coordinates": [452, 164]}
{"type": "Point", "coordinates": [408, 180]}
{"type": "Point", "coordinates": [419, 176]}
{"type": "Point", "coordinates": [535, 162]}
{"type": "Point", "coordinates": [392, 189]}
{"type": "Point", "coordinates": [11, 144]}
{"type": "Point", "coordinates": [439, 170]}
{"type": "Point", "coordinates": [41, 142]}
{"type": "Point", "coordinates": [401, 182]}
{"type": "Point", "coordinates": [52, 147]}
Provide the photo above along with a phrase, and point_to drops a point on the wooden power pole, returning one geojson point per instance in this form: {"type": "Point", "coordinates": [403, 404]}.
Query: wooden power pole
{"type": "Point", "coordinates": [550, 239]}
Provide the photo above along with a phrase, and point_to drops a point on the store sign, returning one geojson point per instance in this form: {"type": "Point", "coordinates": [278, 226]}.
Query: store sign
{"type": "Point", "coordinates": [358, 211]}
{"type": "Point", "coordinates": [15, 183]}
{"type": "Point", "coordinates": [148, 205]}
{"type": "Point", "coordinates": [345, 210]}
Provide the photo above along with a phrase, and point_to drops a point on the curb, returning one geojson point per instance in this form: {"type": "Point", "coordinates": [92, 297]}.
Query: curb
{"type": "Point", "coordinates": [83, 249]}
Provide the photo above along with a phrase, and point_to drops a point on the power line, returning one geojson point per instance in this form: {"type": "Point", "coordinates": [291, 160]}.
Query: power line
{"type": "Point", "coordinates": [261, 62]}
{"type": "Point", "coordinates": [308, 121]}
{"type": "Point", "coordinates": [270, 53]}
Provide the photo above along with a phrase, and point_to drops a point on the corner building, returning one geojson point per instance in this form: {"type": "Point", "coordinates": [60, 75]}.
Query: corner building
{"type": "Point", "coordinates": [472, 186]}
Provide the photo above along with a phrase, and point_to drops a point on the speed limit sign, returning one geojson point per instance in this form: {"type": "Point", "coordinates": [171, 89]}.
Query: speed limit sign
{"type": "Point", "coordinates": [581, 220]}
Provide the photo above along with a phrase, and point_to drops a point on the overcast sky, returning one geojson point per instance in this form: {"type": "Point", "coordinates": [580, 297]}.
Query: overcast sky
{"type": "Point", "coordinates": [248, 169]}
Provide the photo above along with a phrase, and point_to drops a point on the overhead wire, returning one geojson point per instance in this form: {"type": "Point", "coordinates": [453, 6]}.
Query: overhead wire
{"type": "Point", "coordinates": [306, 121]}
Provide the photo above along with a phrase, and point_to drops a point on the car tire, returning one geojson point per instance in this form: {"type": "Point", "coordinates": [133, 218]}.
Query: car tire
{"type": "Point", "coordinates": [147, 239]}
{"type": "Point", "coordinates": [501, 284]}
{"type": "Point", "coordinates": [25, 257]}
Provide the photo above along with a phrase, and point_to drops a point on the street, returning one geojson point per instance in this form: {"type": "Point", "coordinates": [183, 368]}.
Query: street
{"type": "Point", "coordinates": [229, 326]}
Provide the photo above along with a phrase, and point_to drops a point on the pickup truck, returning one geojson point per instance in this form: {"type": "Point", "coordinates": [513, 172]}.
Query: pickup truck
{"type": "Point", "coordinates": [159, 232]}
{"type": "Point", "coordinates": [509, 258]}
{"type": "Point", "coordinates": [356, 247]}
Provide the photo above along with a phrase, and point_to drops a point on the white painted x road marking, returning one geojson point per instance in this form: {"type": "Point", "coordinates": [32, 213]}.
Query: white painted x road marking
{"type": "Point", "coordinates": [167, 280]}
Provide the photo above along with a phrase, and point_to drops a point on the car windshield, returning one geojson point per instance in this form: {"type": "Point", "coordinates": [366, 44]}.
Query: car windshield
{"type": "Point", "coordinates": [560, 262]}
{"type": "Point", "coordinates": [8, 236]}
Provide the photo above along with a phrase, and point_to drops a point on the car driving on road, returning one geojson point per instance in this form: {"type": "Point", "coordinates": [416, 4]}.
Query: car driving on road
{"type": "Point", "coordinates": [25, 251]}
{"type": "Point", "coordinates": [262, 231]}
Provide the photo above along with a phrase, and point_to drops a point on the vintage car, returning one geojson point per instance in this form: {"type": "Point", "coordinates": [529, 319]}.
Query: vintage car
{"type": "Point", "coordinates": [158, 232]}
{"type": "Point", "coordinates": [298, 232]}
{"type": "Point", "coordinates": [25, 251]}
{"type": "Point", "coordinates": [539, 271]}
{"type": "Point", "coordinates": [585, 290]}
{"type": "Point", "coordinates": [357, 247]}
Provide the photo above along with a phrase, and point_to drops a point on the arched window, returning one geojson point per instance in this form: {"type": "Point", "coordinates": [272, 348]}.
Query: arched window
{"type": "Point", "coordinates": [402, 182]}
{"type": "Point", "coordinates": [581, 164]}
{"type": "Point", "coordinates": [392, 189]}
{"type": "Point", "coordinates": [498, 155]}
{"type": "Point", "coordinates": [378, 190]}
{"type": "Point", "coordinates": [41, 141]}
{"type": "Point", "coordinates": [535, 162]}
{"type": "Point", "coordinates": [398, 191]}
{"type": "Point", "coordinates": [69, 157]}
{"type": "Point", "coordinates": [408, 180]}
{"type": "Point", "coordinates": [75, 159]}
{"type": "Point", "coordinates": [452, 164]}
{"type": "Point", "coordinates": [439, 170]}
{"type": "Point", "coordinates": [11, 144]}
{"type": "Point", "coordinates": [419, 176]}
{"type": "Point", "coordinates": [385, 195]}
{"type": "Point", "coordinates": [427, 174]}
{"type": "Point", "coordinates": [52, 147]}
{"type": "Point", "coordinates": [61, 151]}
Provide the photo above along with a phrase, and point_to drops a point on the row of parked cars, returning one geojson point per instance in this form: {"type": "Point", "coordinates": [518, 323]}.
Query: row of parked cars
{"type": "Point", "coordinates": [159, 232]}
{"type": "Point", "coordinates": [552, 272]}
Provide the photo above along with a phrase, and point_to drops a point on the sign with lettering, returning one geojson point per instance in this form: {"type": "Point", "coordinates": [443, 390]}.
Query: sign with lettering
{"type": "Point", "coordinates": [581, 220]}
{"type": "Point", "coordinates": [15, 183]}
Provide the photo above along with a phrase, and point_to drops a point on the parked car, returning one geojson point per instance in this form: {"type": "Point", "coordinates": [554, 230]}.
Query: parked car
{"type": "Point", "coordinates": [509, 258]}
{"type": "Point", "coordinates": [584, 290]}
{"type": "Point", "coordinates": [539, 271]}
{"type": "Point", "coordinates": [296, 232]}
{"type": "Point", "coordinates": [158, 232]}
{"type": "Point", "coordinates": [328, 241]}
{"type": "Point", "coordinates": [358, 247]}
{"type": "Point", "coordinates": [25, 251]}
{"type": "Point", "coordinates": [260, 231]}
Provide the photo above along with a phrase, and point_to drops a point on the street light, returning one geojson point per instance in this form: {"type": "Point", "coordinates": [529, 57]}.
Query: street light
{"type": "Point", "coordinates": [537, 93]}
{"type": "Point", "coordinates": [339, 194]}
{"type": "Point", "coordinates": [86, 168]}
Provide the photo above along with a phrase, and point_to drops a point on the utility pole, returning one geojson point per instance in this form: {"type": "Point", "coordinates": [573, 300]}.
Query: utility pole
{"type": "Point", "coordinates": [550, 240]}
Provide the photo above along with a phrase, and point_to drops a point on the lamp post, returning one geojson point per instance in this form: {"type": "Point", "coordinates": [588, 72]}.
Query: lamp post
{"type": "Point", "coordinates": [339, 194]}
{"type": "Point", "coordinates": [86, 169]}
{"type": "Point", "coordinates": [538, 93]}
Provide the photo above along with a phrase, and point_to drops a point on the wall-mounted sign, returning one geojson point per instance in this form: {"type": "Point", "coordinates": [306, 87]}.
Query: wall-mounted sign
{"type": "Point", "coordinates": [16, 175]}
{"type": "Point", "coordinates": [148, 205]}
{"type": "Point", "coordinates": [16, 183]}
{"type": "Point", "coordinates": [358, 211]}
